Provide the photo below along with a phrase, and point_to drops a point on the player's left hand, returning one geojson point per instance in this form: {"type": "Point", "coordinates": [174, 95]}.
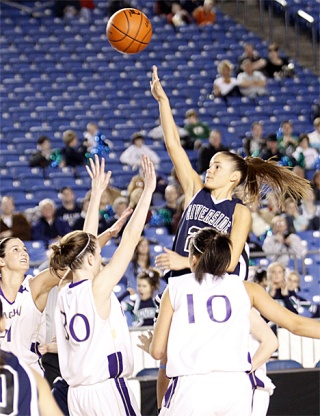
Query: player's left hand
{"type": "Point", "coordinates": [116, 227]}
{"type": "Point", "coordinates": [145, 341]}
{"type": "Point", "coordinates": [99, 179]}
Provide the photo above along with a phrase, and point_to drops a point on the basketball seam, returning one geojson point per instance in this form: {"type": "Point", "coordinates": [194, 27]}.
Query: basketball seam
{"type": "Point", "coordinates": [128, 36]}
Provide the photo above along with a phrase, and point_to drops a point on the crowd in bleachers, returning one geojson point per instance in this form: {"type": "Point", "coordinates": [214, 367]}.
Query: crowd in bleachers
{"type": "Point", "coordinates": [53, 85]}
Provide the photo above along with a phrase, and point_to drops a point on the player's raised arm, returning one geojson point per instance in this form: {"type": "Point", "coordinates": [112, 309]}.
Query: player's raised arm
{"type": "Point", "coordinates": [110, 275]}
{"type": "Point", "coordinates": [99, 183]}
{"type": "Point", "coordinates": [188, 177]}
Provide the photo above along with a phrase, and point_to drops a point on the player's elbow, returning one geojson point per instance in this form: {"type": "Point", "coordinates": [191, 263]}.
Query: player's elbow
{"type": "Point", "coordinates": [157, 352]}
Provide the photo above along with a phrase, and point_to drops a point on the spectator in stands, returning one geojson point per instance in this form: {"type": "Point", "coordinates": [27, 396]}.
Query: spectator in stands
{"type": "Point", "coordinates": [252, 83]}
{"type": "Point", "coordinates": [48, 227]}
{"type": "Point", "coordinates": [254, 144]}
{"type": "Point", "coordinates": [141, 261]}
{"type": "Point", "coordinates": [278, 287]}
{"type": "Point", "coordinates": [119, 205]}
{"type": "Point", "coordinates": [107, 198]}
{"type": "Point", "coordinates": [42, 157]}
{"type": "Point", "coordinates": [225, 85]}
{"type": "Point", "coordinates": [191, 5]}
{"type": "Point", "coordinates": [13, 224]}
{"type": "Point", "coordinates": [69, 210]}
{"type": "Point", "coordinates": [79, 222]}
{"type": "Point", "coordinates": [281, 243]}
{"type": "Point", "coordinates": [162, 7]}
{"type": "Point", "coordinates": [250, 53]}
{"type": "Point", "coordinates": [206, 152]}
{"type": "Point", "coordinates": [270, 208]}
{"type": "Point", "coordinates": [261, 278]}
{"type": "Point", "coordinates": [67, 8]}
{"type": "Point", "coordinates": [310, 211]}
{"type": "Point", "coordinates": [205, 14]}
{"type": "Point", "coordinates": [271, 149]}
{"type": "Point", "coordinates": [116, 5]}
{"type": "Point", "coordinates": [131, 156]}
{"type": "Point", "coordinates": [286, 139]}
{"type": "Point", "coordinates": [142, 305]}
{"type": "Point", "coordinates": [314, 136]}
{"type": "Point", "coordinates": [162, 216]}
{"type": "Point", "coordinates": [259, 226]}
{"type": "Point", "coordinates": [96, 142]}
{"type": "Point", "coordinates": [178, 16]}
{"type": "Point", "coordinates": [315, 183]}
{"type": "Point", "coordinates": [300, 303]}
{"type": "Point", "coordinates": [157, 133]}
{"type": "Point", "coordinates": [296, 222]}
{"type": "Point", "coordinates": [275, 66]}
{"type": "Point", "coordinates": [197, 130]}
{"type": "Point", "coordinates": [304, 153]}
{"type": "Point", "coordinates": [73, 154]}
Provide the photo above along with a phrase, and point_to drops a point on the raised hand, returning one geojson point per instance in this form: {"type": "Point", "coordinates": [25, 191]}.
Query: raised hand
{"type": "Point", "coordinates": [99, 178]}
{"type": "Point", "coordinates": [156, 87]}
{"type": "Point", "coordinates": [171, 260]}
{"type": "Point", "coordinates": [148, 173]}
{"type": "Point", "coordinates": [116, 227]}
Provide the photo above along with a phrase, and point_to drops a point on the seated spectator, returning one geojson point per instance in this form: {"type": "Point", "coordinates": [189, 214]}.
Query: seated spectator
{"type": "Point", "coordinates": [295, 221]}
{"type": "Point", "coordinates": [225, 85]}
{"type": "Point", "coordinates": [299, 171]}
{"type": "Point", "coordinates": [304, 154]}
{"type": "Point", "coordinates": [311, 211]}
{"type": "Point", "coordinates": [136, 181]}
{"type": "Point", "coordinates": [13, 224]}
{"type": "Point", "coordinates": [278, 287]}
{"type": "Point", "coordinates": [250, 53]}
{"type": "Point", "coordinates": [314, 136]}
{"type": "Point", "coordinates": [251, 83]}
{"type": "Point", "coordinates": [79, 222]}
{"type": "Point", "coordinates": [141, 261]}
{"type": "Point", "coordinates": [73, 154]}
{"type": "Point", "coordinates": [69, 210]}
{"type": "Point", "coordinates": [157, 133]}
{"type": "Point", "coordinates": [197, 130]}
{"type": "Point", "coordinates": [142, 305]}
{"type": "Point", "coordinates": [163, 215]}
{"type": "Point", "coordinates": [275, 66]}
{"type": "Point", "coordinates": [270, 208]}
{"type": "Point", "coordinates": [315, 183]}
{"type": "Point", "coordinates": [286, 139]}
{"type": "Point", "coordinates": [107, 198]}
{"type": "Point", "coordinates": [131, 156]}
{"type": "Point", "coordinates": [260, 277]}
{"type": "Point", "coordinates": [254, 144]}
{"type": "Point", "coordinates": [67, 8]}
{"type": "Point", "coordinates": [162, 7]}
{"type": "Point", "coordinates": [119, 205]}
{"type": "Point", "coordinates": [259, 226]}
{"type": "Point", "coordinates": [134, 198]}
{"type": "Point", "coordinates": [96, 142]}
{"type": "Point", "coordinates": [116, 5]}
{"type": "Point", "coordinates": [178, 16]}
{"type": "Point", "coordinates": [191, 5]}
{"type": "Point", "coordinates": [272, 149]}
{"type": "Point", "coordinates": [206, 152]}
{"type": "Point", "coordinates": [300, 303]}
{"type": "Point", "coordinates": [280, 244]}
{"type": "Point", "coordinates": [44, 156]}
{"type": "Point", "coordinates": [48, 227]}
{"type": "Point", "coordinates": [205, 14]}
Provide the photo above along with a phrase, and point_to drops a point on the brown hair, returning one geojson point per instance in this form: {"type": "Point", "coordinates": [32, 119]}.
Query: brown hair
{"type": "Point", "coordinates": [262, 176]}
{"type": "Point", "coordinates": [136, 255]}
{"type": "Point", "coordinates": [213, 250]}
{"type": "Point", "coordinates": [152, 276]}
{"type": "Point", "coordinates": [70, 251]}
{"type": "Point", "coordinates": [3, 245]}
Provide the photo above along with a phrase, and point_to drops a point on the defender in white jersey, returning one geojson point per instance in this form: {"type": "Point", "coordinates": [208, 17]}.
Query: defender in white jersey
{"type": "Point", "coordinates": [92, 334]}
{"type": "Point", "coordinates": [24, 299]}
{"type": "Point", "coordinates": [203, 326]}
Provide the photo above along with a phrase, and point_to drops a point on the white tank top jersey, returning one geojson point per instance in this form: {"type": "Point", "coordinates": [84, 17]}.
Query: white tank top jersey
{"type": "Point", "coordinates": [25, 326]}
{"type": "Point", "coordinates": [209, 325]}
{"type": "Point", "coordinates": [91, 349]}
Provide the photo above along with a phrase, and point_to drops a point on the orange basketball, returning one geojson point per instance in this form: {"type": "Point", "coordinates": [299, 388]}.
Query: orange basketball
{"type": "Point", "coordinates": [129, 31]}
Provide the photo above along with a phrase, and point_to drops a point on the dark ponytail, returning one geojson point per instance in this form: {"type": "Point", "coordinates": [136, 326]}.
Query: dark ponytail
{"type": "Point", "coordinates": [213, 250]}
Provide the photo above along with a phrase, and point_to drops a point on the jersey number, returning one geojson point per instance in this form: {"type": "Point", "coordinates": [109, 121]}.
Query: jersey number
{"type": "Point", "coordinates": [209, 303]}
{"type": "Point", "coordinates": [71, 329]}
{"type": "Point", "coordinates": [9, 392]}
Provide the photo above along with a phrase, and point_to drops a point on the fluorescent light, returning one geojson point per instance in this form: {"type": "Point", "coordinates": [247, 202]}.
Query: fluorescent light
{"type": "Point", "coordinates": [305, 16]}
{"type": "Point", "coordinates": [283, 3]}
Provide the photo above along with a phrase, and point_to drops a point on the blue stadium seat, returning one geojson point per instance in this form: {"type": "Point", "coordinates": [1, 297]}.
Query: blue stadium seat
{"type": "Point", "coordinates": [276, 365]}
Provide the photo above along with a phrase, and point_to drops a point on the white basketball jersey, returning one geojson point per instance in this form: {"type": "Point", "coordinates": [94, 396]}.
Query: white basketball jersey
{"type": "Point", "coordinates": [25, 326]}
{"type": "Point", "coordinates": [210, 325]}
{"type": "Point", "coordinates": [91, 349]}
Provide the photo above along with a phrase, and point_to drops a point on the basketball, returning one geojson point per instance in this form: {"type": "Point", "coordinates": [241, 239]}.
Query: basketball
{"type": "Point", "coordinates": [129, 31]}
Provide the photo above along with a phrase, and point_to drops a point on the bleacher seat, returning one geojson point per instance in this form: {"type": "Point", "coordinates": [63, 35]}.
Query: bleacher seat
{"type": "Point", "coordinates": [275, 365]}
